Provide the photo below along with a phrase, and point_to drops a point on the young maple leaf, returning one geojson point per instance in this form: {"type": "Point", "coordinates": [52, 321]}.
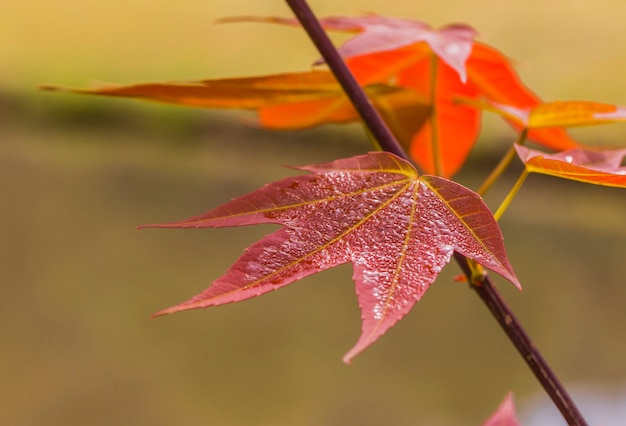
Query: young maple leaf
{"type": "Point", "coordinates": [397, 229]}
{"type": "Point", "coordinates": [599, 167]}
{"type": "Point", "coordinates": [505, 414]}
{"type": "Point", "coordinates": [407, 51]}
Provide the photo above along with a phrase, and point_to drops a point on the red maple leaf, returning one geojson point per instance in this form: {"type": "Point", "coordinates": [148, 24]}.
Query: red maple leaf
{"type": "Point", "coordinates": [397, 229]}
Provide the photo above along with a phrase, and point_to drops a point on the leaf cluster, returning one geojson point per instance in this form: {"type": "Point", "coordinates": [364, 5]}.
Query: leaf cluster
{"type": "Point", "coordinates": [398, 228]}
{"type": "Point", "coordinates": [398, 223]}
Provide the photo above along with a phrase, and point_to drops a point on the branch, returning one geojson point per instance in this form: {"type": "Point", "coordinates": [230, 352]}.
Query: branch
{"type": "Point", "coordinates": [527, 349]}
{"type": "Point", "coordinates": [484, 287]}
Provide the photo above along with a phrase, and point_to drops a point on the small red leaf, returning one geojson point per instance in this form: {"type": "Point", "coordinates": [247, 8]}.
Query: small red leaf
{"type": "Point", "coordinates": [396, 229]}
{"type": "Point", "coordinates": [599, 167]}
{"type": "Point", "coordinates": [505, 414]}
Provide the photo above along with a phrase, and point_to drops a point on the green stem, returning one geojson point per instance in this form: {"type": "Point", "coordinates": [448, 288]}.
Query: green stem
{"type": "Point", "coordinates": [502, 165]}
{"type": "Point", "coordinates": [434, 125]}
{"type": "Point", "coordinates": [511, 195]}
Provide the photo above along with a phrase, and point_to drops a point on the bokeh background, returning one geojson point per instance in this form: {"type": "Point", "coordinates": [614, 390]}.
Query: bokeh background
{"type": "Point", "coordinates": [78, 283]}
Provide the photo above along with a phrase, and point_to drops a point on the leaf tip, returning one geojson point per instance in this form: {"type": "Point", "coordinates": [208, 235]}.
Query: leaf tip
{"type": "Point", "coordinates": [52, 88]}
{"type": "Point", "coordinates": [517, 284]}
{"type": "Point", "coordinates": [160, 313]}
{"type": "Point", "coordinates": [511, 277]}
{"type": "Point", "coordinates": [163, 225]}
{"type": "Point", "coordinates": [347, 358]}
{"type": "Point", "coordinates": [364, 342]}
{"type": "Point", "coordinates": [168, 311]}
{"type": "Point", "coordinates": [505, 414]}
{"type": "Point", "coordinates": [150, 225]}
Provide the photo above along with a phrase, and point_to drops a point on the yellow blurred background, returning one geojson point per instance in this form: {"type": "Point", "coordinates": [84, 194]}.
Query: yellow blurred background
{"type": "Point", "coordinates": [78, 174]}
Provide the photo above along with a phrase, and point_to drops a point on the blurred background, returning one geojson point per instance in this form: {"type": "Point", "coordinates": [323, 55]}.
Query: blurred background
{"type": "Point", "coordinates": [79, 174]}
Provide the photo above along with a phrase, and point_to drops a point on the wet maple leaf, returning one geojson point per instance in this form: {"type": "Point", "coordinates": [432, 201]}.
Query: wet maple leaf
{"type": "Point", "coordinates": [505, 414]}
{"type": "Point", "coordinates": [599, 167]}
{"type": "Point", "coordinates": [397, 229]}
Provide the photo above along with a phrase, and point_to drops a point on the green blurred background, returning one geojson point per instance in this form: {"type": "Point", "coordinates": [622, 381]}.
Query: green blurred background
{"type": "Point", "coordinates": [78, 174]}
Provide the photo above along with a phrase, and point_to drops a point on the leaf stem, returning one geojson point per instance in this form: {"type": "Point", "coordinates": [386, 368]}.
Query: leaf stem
{"type": "Point", "coordinates": [511, 195]}
{"type": "Point", "coordinates": [434, 125]}
{"type": "Point", "coordinates": [482, 285]}
{"type": "Point", "coordinates": [505, 161]}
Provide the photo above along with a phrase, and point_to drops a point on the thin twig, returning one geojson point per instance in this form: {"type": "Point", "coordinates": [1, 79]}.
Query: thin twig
{"type": "Point", "coordinates": [484, 286]}
{"type": "Point", "coordinates": [518, 336]}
